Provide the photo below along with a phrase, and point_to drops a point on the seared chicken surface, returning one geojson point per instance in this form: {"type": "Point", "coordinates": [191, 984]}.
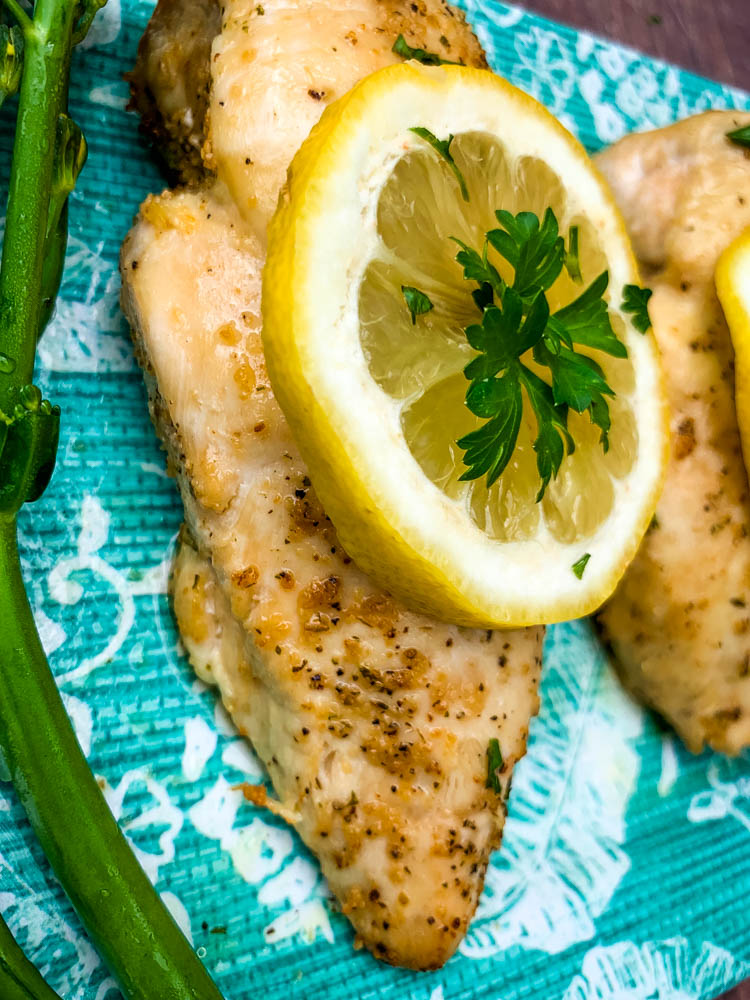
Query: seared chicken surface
{"type": "Point", "coordinates": [374, 722]}
{"type": "Point", "coordinates": [679, 624]}
{"type": "Point", "coordinates": [273, 69]}
{"type": "Point", "coordinates": [171, 82]}
{"type": "Point", "coordinates": [272, 74]}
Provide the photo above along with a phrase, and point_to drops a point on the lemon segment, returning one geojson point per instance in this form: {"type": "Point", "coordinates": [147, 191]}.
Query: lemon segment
{"type": "Point", "coordinates": [733, 287]}
{"type": "Point", "coordinates": [376, 401]}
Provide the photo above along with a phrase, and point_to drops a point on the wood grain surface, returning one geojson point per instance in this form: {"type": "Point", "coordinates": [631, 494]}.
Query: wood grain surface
{"type": "Point", "coordinates": [711, 37]}
{"type": "Point", "coordinates": [741, 992]}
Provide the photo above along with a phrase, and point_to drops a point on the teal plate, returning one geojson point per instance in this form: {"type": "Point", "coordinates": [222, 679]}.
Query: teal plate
{"type": "Point", "coordinates": [625, 868]}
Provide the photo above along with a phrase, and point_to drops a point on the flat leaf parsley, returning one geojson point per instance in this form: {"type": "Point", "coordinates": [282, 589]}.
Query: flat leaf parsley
{"type": "Point", "coordinates": [516, 319]}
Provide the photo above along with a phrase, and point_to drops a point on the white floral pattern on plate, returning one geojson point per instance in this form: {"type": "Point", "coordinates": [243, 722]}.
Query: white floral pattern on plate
{"type": "Point", "coordinates": [657, 970]}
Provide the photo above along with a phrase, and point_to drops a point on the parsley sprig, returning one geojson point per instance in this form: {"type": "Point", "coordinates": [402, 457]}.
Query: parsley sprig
{"type": "Point", "coordinates": [517, 320]}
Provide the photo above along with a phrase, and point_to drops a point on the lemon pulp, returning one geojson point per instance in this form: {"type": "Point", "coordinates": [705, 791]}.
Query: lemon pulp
{"type": "Point", "coordinates": [420, 364]}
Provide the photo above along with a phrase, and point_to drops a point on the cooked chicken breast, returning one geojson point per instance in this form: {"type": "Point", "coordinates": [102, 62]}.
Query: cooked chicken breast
{"type": "Point", "coordinates": [679, 624]}
{"type": "Point", "coordinates": [374, 722]}
{"type": "Point", "coordinates": [276, 66]}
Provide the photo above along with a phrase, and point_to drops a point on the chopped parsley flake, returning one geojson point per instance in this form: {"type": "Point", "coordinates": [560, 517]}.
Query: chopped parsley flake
{"type": "Point", "coordinates": [635, 301]}
{"type": "Point", "coordinates": [402, 48]}
{"type": "Point", "coordinates": [417, 302]}
{"type": "Point", "coordinates": [740, 136]}
{"type": "Point", "coordinates": [494, 763]}
{"type": "Point", "coordinates": [443, 148]}
{"type": "Point", "coordinates": [571, 260]}
{"type": "Point", "coordinates": [580, 566]}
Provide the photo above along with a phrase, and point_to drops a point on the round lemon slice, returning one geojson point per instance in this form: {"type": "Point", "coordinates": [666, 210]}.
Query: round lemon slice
{"type": "Point", "coordinates": [733, 287]}
{"type": "Point", "coordinates": [370, 374]}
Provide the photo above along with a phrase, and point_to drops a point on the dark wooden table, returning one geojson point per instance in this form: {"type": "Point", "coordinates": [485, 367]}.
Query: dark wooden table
{"type": "Point", "coordinates": [711, 37]}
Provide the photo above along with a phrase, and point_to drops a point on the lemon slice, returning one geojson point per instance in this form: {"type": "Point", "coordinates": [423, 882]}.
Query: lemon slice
{"type": "Point", "coordinates": [376, 401]}
{"type": "Point", "coordinates": [733, 286]}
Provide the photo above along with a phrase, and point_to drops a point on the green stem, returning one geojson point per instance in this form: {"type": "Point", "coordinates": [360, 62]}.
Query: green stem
{"type": "Point", "coordinates": [43, 97]}
{"type": "Point", "coordinates": [19, 980]}
{"type": "Point", "coordinates": [129, 925]}
{"type": "Point", "coordinates": [23, 19]}
{"type": "Point", "coordinates": [54, 262]}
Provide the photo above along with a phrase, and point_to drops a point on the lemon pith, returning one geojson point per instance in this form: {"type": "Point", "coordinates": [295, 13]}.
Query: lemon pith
{"type": "Point", "coordinates": [376, 404]}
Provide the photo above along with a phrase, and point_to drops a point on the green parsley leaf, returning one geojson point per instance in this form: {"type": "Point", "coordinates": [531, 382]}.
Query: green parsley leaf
{"type": "Point", "coordinates": [535, 252]}
{"type": "Point", "coordinates": [483, 296]}
{"type": "Point", "coordinates": [571, 260]}
{"type": "Point", "coordinates": [490, 447]}
{"type": "Point", "coordinates": [585, 320]}
{"type": "Point", "coordinates": [417, 302]}
{"type": "Point", "coordinates": [635, 301]}
{"type": "Point", "coordinates": [553, 438]}
{"type": "Point", "coordinates": [576, 379]}
{"type": "Point", "coordinates": [478, 268]}
{"type": "Point", "coordinates": [402, 48]}
{"type": "Point", "coordinates": [580, 566]}
{"type": "Point", "coordinates": [600, 417]}
{"type": "Point", "coordinates": [503, 335]}
{"type": "Point", "coordinates": [515, 320]}
{"type": "Point", "coordinates": [578, 382]}
{"type": "Point", "coordinates": [740, 137]}
{"type": "Point", "coordinates": [443, 148]}
{"type": "Point", "coordinates": [494, 763]}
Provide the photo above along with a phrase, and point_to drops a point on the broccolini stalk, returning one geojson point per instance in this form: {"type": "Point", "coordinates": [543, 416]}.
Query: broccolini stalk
{"type": "Point", "coordinates": [136, 936]}
{"type": "Point", "coordinates": [70, 155]}
{"type": "Point", "coordinates": [19, 980]}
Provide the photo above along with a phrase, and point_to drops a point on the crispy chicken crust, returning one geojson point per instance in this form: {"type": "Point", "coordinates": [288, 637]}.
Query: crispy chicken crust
{"type": "Point", "coordinates": [171, 82]}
